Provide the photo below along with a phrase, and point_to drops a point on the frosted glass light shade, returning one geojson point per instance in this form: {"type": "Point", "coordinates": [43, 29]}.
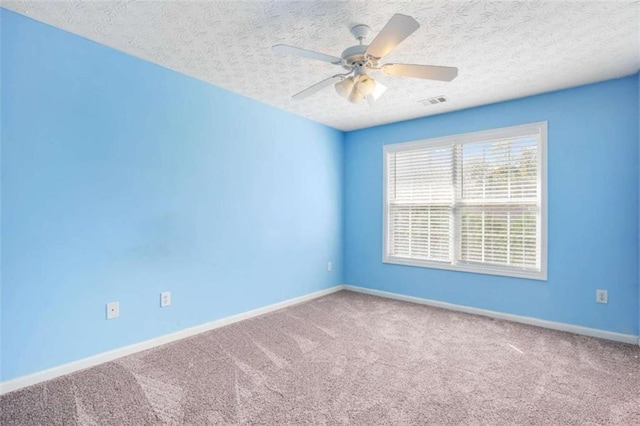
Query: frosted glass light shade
{"type": "Point", "coordinates": [356, 97]}
{"type": "Point", "coordinates": [344, 87]}
{"type": "Point", "coordinates": [378, 91]}
{"type": "Point", "coordinates": [366, 85]}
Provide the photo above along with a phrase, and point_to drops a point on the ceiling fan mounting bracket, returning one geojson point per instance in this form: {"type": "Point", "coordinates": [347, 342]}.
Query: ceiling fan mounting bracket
{"type": "Point", "coordinates": [361, 32]}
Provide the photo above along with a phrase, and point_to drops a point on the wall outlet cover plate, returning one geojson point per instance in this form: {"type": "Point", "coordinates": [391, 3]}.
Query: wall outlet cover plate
{"type": "Point", "coordinates": [113, 310]}
{"type": "Point", "coordinates": [165, 299]}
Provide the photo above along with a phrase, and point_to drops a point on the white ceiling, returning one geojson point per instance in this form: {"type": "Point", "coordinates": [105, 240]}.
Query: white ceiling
{"type": "Point", "coordinates": [504, 50]}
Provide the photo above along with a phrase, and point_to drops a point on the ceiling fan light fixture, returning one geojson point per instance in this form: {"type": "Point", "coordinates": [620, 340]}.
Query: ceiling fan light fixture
{"type": "Point", "coordinates": [366, 85]}
{"type": "Point", "coordinates": [344, 87]}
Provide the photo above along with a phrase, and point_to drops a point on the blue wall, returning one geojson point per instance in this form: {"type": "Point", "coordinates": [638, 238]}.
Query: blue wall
{"type": "Point", "coordinates": [593, 209]}
{"type": "Point", "coordinates": [122, 179]}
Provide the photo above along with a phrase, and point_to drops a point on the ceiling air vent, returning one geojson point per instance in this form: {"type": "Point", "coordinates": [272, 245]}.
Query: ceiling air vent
{"type": "Point", "coordinates": [433, 101]}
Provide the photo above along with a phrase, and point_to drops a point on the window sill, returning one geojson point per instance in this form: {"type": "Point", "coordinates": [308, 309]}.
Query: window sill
{"type": "Point", "coordinates": [532, 275]}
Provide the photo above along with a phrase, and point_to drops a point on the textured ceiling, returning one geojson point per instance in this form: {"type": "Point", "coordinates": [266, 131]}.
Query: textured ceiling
{"type": "Point", "coordinates": [504, 50]}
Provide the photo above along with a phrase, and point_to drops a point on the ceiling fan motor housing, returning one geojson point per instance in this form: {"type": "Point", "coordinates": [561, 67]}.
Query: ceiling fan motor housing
{"type": "Point", "coordinates": [355, 56]}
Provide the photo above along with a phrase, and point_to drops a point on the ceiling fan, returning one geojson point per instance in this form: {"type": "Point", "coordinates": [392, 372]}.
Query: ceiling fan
{"type": "Point", "coordinates": [360, 60]}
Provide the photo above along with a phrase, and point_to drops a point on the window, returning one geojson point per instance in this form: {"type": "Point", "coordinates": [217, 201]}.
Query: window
{"type": "Point", "coordinates": [474, 202]}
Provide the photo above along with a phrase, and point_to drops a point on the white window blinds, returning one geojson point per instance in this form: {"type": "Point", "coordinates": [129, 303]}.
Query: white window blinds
{"type": "Point", "coordinates": [498, 206]}
{"type": "Point", "coordinates": [421, 193]}
{"type": "Point", "coordinates": [472, 202]}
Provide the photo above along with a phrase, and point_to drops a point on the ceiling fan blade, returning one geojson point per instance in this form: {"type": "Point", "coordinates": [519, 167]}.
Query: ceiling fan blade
{"type": "Point", "coordinates": [397, 29]}
{"type": "Point", "coordinates": [429, 72]}
{"type": "Point", "coordinates": [317, 87]}
{"type": "Point", "coordinates": [297, 51]}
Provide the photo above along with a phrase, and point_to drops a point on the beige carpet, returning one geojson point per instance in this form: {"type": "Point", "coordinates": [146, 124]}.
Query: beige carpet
{"type": "Point", "coordinates": [348, 358]}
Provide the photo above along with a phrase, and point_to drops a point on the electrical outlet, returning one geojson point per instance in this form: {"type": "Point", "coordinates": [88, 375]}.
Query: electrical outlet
{"type": "Point", "coordinates": [329, 266]}
{"type": "Point", "coordinates": [602, 296]}
{"type": "Point", "coordinates": [113, 310]}
{"type": "Point", "coordinates": [165, 299]}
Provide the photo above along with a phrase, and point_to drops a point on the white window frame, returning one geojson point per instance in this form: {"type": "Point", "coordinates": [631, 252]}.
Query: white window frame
{"type": "Point", "coordinates": [539, 128]}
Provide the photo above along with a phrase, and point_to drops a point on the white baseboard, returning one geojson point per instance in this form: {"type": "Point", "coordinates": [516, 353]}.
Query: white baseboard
{"type": "Point", "coordinates": [41, 376]}
{"type": "Point", "coordinates": [51, 373]}
{"type": "Point", "coordinates": [576, 329]}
